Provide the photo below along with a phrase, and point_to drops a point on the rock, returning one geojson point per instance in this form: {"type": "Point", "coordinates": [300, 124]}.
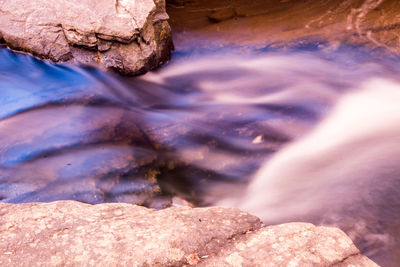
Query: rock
{"type": "Point", "coordinates": [291, 244]}
{"type": "Point", "coordinates": [222, 14]}
{"type": "Point", "coordinates": [177, 3]}
{"type": "Point", "coordinates": [129, 36]}
{"type": "Point", "coordinates": [71, 233]}
{"type": "Point", "coordinates": [285, 24]}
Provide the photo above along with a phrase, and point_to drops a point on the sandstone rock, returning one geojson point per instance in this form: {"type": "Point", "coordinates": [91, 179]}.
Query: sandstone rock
{"type": "Point", "coordinates": [284, 24]}
{"type": "Point", "coordinates": [178, 3]}
{"type": "Point", "coordinates": [130, 36]}
{"type": "Point", "coordinates": [71, 233]}
{"type": "Point", "coordinates": [291, 244]}
{"type": "Point", "coordinates": [222, 14]}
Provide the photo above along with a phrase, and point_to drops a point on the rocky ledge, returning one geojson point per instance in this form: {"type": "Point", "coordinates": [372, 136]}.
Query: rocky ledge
{"type": "Point", "coordinates": [129, 36]}
{"type": "Point", "coordinates": [69, 233]}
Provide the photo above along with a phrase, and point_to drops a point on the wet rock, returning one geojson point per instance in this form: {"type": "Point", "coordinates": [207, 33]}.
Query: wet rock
{"type": "Point", "coordinates": [286, 24]}
{"type": "Point", "coordinates": [72, 233]}
{"type": "Point", "coordinates": [178, 3]}
{"type": "Point", "coordinates": [222, 14]}
{"type": "Point", "coordinates": [129, 36]}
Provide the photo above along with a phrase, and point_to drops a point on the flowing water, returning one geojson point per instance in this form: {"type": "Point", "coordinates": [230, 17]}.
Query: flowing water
{"type": "Point", "coordinates": [300, 135]}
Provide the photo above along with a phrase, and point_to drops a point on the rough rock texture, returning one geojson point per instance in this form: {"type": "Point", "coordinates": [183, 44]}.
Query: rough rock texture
{"type": "Point", "coordinates": [291, 244]}
{"type": "Point", "coordinates": [71, 233]}
{"type": "Point", "coordinates": [130, 36]}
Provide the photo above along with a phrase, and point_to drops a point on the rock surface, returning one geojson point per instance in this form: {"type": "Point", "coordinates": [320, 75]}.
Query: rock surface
{"type": "Point", "coordinates": [71, 233]}
{"type": "Point", "coordinates": [277, 24]}
{"type": "Point", "coordinates": [129, 36]}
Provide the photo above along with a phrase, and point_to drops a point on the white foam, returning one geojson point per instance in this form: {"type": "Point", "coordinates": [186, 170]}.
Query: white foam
{"type": "Point", "coordinates": [346, 160]}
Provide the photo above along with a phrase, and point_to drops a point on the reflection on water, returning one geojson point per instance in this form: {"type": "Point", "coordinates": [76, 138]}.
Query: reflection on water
{"type": "Point", "coordinates": [301, 135]}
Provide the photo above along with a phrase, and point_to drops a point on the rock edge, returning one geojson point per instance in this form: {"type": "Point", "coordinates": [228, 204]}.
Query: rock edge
{"type": "Point", "coordinates": [129, 36]}
{"type": "Point", "coordinates": [69, 233]}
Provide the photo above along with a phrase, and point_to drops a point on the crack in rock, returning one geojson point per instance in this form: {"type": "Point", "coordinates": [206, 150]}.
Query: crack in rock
{"type": "Point", "coordinates": [95, 32]}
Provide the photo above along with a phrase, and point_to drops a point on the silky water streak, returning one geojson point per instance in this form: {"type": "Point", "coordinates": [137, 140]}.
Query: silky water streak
{"type": "Point", "coordinates": [344, 173]}
{"type": "Point", "coordinates": [286, 135]}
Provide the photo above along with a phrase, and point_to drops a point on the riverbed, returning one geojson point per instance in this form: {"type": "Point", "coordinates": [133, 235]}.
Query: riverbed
{"type": "Point", "coordinates": [288, 130]}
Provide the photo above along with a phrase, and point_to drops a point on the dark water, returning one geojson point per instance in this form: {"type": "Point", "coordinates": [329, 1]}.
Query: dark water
{"type": "Point", "coordinates": [302, 135]}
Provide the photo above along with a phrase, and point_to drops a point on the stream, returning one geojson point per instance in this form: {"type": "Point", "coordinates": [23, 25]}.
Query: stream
{"type": "Point", "coordinates": [306, 134]}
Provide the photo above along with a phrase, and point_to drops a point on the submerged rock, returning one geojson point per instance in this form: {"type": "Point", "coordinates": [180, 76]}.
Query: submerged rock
{"type": "Point", "coordinates": [72, 233]}
{"type": "Point", "coordinates": [129, 36]}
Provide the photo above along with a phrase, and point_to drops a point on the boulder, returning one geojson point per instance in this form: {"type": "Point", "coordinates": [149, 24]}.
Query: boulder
{"type": "Point", "coordinates": [69, 233]}
{"type": "Point", "coordinates": [129, 36]}
{"type": "Point", "coordinates": [290, 244]}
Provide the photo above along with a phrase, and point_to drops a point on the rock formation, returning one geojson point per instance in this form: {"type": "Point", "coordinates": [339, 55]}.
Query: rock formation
{"type": "Point", "coordinates": [129, 36]}
{"type": "Point", "coordinates": [68, 233]}
{"type": "Point", "coordinates": [281, 24]}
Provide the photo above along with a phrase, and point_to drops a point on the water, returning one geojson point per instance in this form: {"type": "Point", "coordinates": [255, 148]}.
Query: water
{"type": "Point", "coordinates": [309, 134]}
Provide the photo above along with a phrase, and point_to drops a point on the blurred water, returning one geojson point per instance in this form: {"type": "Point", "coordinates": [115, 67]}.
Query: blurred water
{"type": "Point", "coordinates": [308, 134]}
